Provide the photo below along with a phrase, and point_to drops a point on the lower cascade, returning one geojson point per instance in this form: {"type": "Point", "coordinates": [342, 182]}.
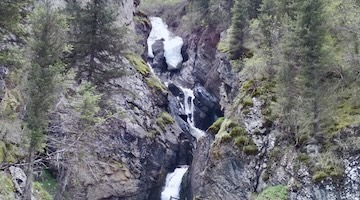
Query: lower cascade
{"type": "Point", "coordinates": [173, 184]}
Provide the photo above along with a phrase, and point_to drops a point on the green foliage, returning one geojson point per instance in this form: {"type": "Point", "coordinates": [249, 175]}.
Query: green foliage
{"type": "Point", "coordinates": [247, 102]}
{"type": "Point", "coordinates": [225, 138]}
{"type": "Point", "coordinates": [278, 192]}
{"type": "Point", "coordinates": [237, 131]}
{"type": "Point", "coordinates": [7, 189]}
{"type": "Point", "coordinates": [327, 165]}
{"type": "Point", "coordinates": [139, 64]}
{"type": "Point", "coordinates": [155, 83]}
{"type": "Point", "coordinates": [98, 42]}
{"type": "Point", "coordinates": [40, 193]}
{"type": "Point", "coordinates": [89, 105]}
{"type": "Point", "coordinates": [48, 44]}
{"type": "Point", "coordinates": [215, 127]}
{"type": "Point", "coordinates": [164, 119]}
{"type": "Point", "coordinates": [48, 182]}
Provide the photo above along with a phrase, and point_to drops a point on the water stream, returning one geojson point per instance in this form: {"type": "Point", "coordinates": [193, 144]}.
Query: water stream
{"type": "Point", "coordinates": [172, 54]}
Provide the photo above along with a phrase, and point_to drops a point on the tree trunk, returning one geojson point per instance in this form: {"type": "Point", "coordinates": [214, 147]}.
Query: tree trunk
{"type": "Point", "coordinates": [29, 174]}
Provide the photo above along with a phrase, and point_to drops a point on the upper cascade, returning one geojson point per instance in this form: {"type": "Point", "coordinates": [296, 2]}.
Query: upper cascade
{"type": "Point", "coordinates": [172, 43]}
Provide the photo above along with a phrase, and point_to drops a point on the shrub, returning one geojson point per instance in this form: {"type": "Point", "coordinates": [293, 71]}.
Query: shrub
{"type": "Point", "coordinates": [241, 140]}
{"type": "Point", "coordinates": [215, 127]}
{"type": "Point", "coordinates": [237, 131]}
{"type": "Point", "coordinates": [250, 149]}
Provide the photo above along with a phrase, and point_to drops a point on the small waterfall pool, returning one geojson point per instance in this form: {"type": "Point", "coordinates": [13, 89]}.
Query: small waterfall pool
{"type": "Point", "coordinates": [172, 54]}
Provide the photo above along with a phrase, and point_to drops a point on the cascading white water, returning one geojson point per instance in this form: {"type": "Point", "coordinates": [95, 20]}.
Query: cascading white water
{"type": "Point", "coordinates": [172, 43]}
{"type": "Point", "coordinates": [173, 182]}
{"type": "Point", "coordinates": [189, 111]}
{"type": "Point", "coordinates": [172, 48]}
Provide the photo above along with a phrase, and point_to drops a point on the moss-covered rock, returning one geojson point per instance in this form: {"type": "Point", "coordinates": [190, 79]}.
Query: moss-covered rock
{"type": "Point", "coordinates": [164, 119]}
{"type": "Point", "coordinates": [278, 192]}
{"type": "Point", "coordinates": [139, 64]}
{"type": "Point", "coordinates": [154, 83]}
{"type": "Point", "coordinates": [215, 127]}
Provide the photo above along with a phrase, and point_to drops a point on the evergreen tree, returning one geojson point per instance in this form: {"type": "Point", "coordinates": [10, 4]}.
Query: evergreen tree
{"type": "Point", "coordinates": [239, 25]}
{"type": "Point", "coordinates": [12, 15]}
{"type": "Point", "coordinates": [48, 43]}
{"type": "Point", "coordinates": [311, 67]}
{"type": "Point", "coordinates": [98, 41]}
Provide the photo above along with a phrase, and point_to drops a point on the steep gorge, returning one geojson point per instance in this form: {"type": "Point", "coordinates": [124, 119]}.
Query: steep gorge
{"type": "Point", "coordinates": [200, 115]}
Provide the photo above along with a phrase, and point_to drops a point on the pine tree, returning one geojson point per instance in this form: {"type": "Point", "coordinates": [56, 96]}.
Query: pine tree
{"type": "Point", "coordinates": [239, 24]}
{"type": "Point", "coordinates": [12, 31]}
{"type": "Point", "coordinates": [98, 41]}
{"type": "Point", "coordinates": [311, 37]}
{"type": "Point", "coordinates": [48, 44]}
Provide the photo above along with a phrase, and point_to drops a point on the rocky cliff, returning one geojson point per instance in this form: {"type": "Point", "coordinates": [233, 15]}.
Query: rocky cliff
{"type": "Point", "coordinates": [140, 131]}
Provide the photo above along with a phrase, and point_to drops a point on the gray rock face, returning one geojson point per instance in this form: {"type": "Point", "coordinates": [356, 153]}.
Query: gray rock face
{"type": "Point", "coordinates": [159, 61]}
{"type": "Point", "coordinates": [207, 108]}
{"type": "Point", "coordinates": [18, 179]}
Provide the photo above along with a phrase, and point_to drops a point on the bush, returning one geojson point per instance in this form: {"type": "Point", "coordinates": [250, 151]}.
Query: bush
{"type": "Point", "coordinates": [237, 131]}
{"type": "Point", "coordinates": [215, 127]}
{"type": "Point", "coordinates": [250, 149]}
{"type": "Point", "coordinates": [241, 140]}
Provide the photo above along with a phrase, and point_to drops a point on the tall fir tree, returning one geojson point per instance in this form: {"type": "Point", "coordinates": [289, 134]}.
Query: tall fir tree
{"type": "Point", "coordinates": [239, 25]}
{"type": "Point", "coordinates": [98, 41]}
{"type": "Point", "coordinates": [48, 43]}
{"type": "Point", "coordinates": [311, 34]}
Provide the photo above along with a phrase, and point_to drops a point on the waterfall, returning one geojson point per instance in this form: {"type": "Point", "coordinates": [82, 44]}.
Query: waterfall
{"type": "Point", "coordinates": [189, 111]}
{"type": "Point", "coordinates": [173, 183]}
{"type": "Point", "coordinates": [172, 44]}
{"type": "Point", "coordinates": [172, 54]}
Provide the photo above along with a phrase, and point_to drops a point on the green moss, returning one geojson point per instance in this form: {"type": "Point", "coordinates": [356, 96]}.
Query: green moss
{"type": "Point", "coordinates": [154, 83]}
{"type": "Point", "coordinates": [247, 102]}
{"type": "Point", "coordinates": [40, 193]}
{"type": "Point", "coordinates": [250, 149]}
{"type": "Point", "coordinates": [215, 127]}
{"type": "Point", "coordinates": [164, 119]}
{"type": "Point", "coordinates": [223, 46]}
{"type": "Point", "coordinates": [248, 85]}
{"type": "Point", "coordinates": [319, 176]}
{"type": "Point", "coordinates": [273, 193]}
{"type": "Point", "coordinates": [241, 140]}
{"type": "Point", "coordinates": [225, 138]}
{"type": "Point", "coordinates": [7, 189]}
{"type": "Point", "coordinates": [237, 131]}
{"type": "Point", "coordinates": [139, 64]}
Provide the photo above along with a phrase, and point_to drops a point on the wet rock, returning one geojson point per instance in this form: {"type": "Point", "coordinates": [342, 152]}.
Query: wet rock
{"type": "Point", "coordinates": [207, 107]}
